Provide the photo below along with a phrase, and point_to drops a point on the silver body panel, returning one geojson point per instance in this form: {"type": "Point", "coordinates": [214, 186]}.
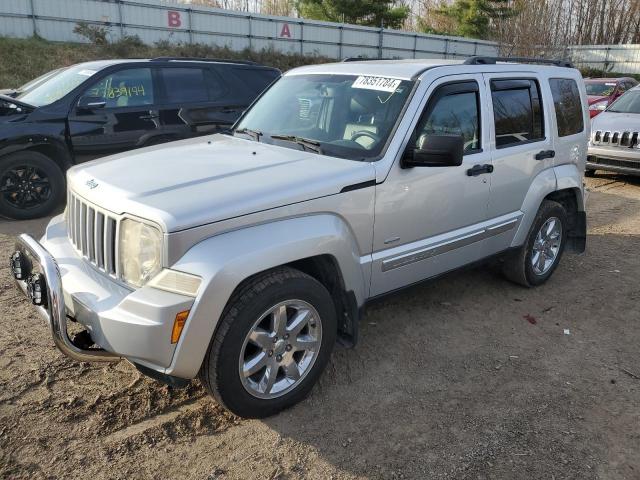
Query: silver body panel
{"type": "Point", "coordinates": [215, 197]}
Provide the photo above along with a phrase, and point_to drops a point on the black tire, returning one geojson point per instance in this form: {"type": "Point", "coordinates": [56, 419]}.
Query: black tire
{"type": "Point", "coordinates": [220, 369]}
{"type": "Point", "coordinates": [589, 173]}
{"type": "Point", "coordinates": [43, 192]}
{"type": "Point", "coordinates": [518, 266]}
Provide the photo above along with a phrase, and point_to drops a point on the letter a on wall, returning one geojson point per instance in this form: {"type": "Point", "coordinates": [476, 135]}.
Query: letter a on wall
{"type": "Point", "coordinates": [285, 32]}
{"type": "Point", "coordinates": [173, 19]}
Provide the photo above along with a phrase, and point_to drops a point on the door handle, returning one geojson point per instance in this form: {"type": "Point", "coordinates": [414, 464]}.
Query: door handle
{"type": "Point", "coordinates": [149, 117]}
{"type": "Point", "coordinates": [479, 169]}
{"type": "Point", "coordinates": [545, 154]}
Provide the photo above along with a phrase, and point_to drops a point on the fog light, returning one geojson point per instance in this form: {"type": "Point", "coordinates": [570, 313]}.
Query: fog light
{"type": "Point", "coordinates": [19, 266]}
{"type": "Point", "coordinates": [178, 325]}
{"type": "Point", "coordinates": [36, 289]}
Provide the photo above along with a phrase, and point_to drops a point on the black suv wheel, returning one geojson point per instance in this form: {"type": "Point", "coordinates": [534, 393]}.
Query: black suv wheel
{"type": "Point", "coordinates": [31, 185]}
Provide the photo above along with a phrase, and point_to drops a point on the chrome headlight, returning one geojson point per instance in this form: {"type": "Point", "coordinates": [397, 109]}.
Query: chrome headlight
{"type": "Point", "coordinates": [140, 252]}
{"type": "Point", "coordinates": [599, 106]}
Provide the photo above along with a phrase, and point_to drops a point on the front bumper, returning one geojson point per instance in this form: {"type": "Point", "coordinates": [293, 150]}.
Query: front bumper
{"type": "Point", "coordinates": [620, 160]}
{"type": "Point", "coordinates": [134, 324]}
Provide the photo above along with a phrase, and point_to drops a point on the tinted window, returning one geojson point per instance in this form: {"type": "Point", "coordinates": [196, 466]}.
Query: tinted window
{"type": "Point", "coordinates": [600, 89]}
{"type": "Point", "coordinates": [125, 88]}
{"type": "Point", "coordinates": [454, 114]}
{"type": "Point", "coordinates": [566, 100]}
{"type": "Point", "coordinates": [185, 85]}
{"type": "Point", "coordinates": [627, 103]}
{"type": "Point", "coordinates": [256, 79]}
{"type": "Point", "coordinates": [517, 111]}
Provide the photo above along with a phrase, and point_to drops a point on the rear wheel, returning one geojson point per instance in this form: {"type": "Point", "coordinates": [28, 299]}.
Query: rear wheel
{"type": "Point", "coordinates": [31, 185]}
{"type": "Point", "coordinates": [274, 340]}
{"type": "Point", "coordinates": [534, 262]}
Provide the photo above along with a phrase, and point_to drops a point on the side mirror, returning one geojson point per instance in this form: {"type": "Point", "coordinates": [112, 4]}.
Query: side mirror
{"type": "Point", "coordinates": [91, 103]}
{"type": "Point", "coordinates": [436, 151]}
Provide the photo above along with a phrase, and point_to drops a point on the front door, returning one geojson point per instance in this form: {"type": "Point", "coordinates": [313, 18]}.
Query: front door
{"type": "Point", "coordinates": [115, 114]}
{"type": "Point", "coordinates": [432, 219]}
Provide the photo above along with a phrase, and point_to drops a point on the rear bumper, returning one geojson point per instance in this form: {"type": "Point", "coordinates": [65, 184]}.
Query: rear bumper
{"type": "Point", "coordinates": [134, 324]}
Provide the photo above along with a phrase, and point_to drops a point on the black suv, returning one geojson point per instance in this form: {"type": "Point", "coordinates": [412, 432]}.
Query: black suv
{"type": "Point", "coordinates": [99, 108]}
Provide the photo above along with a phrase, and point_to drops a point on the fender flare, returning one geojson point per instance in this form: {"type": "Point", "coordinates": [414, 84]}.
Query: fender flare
{"type": "Point", "coordinates": [48, 145]}
{"type": "Point", "coordinates": [224, 261]}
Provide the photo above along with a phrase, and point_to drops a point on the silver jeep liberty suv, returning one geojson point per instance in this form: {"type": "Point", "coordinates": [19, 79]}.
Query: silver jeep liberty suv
{"type": "Point", "coordinates": [241, 258]}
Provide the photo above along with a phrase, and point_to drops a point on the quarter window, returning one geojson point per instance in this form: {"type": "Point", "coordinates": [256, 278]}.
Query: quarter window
{"type": "Point", "coordinates": [517, 111]}
{"type": "Point", "coordinates": [454, 111]}
{"type": "Point", "coordinates": [125, 88]}
{"type": "Point", "coordinates": [568, 107]}
{"type": "Point", "coordinates": [185, 85]}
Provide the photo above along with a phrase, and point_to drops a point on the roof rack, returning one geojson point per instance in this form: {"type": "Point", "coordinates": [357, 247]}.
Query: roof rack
{"type": "Point", "coordinates": [198, 59]}
{"type": "Point", "coordinates": [479, 60]}
{"type": "Point", "coordinates": [365, 59]}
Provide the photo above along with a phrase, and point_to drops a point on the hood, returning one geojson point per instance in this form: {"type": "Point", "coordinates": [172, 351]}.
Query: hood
{"type": "Point", "coordinates": [616, 122]}
{"type": "Point", "coordinates": [203, 180]}
{"type": "Point", "coordinates": [595, 98]}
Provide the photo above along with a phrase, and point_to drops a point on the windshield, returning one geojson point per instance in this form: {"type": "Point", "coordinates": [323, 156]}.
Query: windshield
{"type": "Point", "coordinates": [347, 116]}
{"type": "Point", "coordinates": [627, 103]}
{"type": "Point", "coordinates": [56, 86]}
{"type": "Point", "coordinates": [37, 81]}
{"type": "Point", "coordinates": [600, 89]}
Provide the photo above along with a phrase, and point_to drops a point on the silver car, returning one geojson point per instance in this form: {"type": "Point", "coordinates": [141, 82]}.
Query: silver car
{"type": "Point", "coordinates": [242, 258]}
{"type": "Point", "coordinates": [615, 137]}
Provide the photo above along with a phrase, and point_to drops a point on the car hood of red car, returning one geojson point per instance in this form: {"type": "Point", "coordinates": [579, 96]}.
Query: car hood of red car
{"type": "Point", "coordinates": [595, 98]}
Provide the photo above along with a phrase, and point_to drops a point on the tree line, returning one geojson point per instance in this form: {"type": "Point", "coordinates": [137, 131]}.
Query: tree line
{"type": "Point", "coordinates": [520, 25]}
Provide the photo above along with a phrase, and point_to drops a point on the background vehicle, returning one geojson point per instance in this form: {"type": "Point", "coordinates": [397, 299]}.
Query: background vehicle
{"type": "Point", "coordinates": [615, 137]}
{"type": "Point", "coordinates": [245, 261]}
{"type": "Point", "coordinates": [99, 108]}
{"type": "Point", "coordinates": [601, 92]}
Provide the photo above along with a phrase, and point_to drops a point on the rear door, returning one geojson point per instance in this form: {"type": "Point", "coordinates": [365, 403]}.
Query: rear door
{"type": "Point", "coordinates": [521, 138]}
{"type": "Point", "coordinates": [123, 116]}
{"type": "Point", "coordinates": [195, 100]}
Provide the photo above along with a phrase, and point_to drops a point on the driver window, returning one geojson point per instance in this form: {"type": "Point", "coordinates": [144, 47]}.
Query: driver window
{"type": "Point", "coordinates": [125, 88]}
{"type": "Point", "coordinates": [452, 111]}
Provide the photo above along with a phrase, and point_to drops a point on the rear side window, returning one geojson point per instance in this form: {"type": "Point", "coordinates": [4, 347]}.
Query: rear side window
{"type": "Point", "coordinates": [185, 85]}
{"type": "Point", "coordinates": [257, 79]}
{"type": "Point", "coordinates": [517, 111]}
{"type": "Point", "coordinates": [568, 107]}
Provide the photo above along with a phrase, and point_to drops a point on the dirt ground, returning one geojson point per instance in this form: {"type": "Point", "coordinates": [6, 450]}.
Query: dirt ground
{"type": "Point", "coordinates": [467, 376]}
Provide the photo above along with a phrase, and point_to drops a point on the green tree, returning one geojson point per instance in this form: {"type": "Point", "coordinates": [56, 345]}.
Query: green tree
{"type": "Point", "coordinates": [474, 18]}
{"type": "Point", "coordinates": [373, 13]}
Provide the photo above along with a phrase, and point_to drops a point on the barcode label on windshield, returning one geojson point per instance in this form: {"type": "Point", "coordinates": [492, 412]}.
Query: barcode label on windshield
{"type": "Point", "coordinates": [382, 84]}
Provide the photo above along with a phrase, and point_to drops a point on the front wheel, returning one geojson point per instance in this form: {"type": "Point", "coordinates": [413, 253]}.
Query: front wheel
{"type": "Point", "coordinates": [534, 262]}
{"type": "Point", "coordinates": [274, 340]}
{"type": "Point", "coordinates": [31, 185]}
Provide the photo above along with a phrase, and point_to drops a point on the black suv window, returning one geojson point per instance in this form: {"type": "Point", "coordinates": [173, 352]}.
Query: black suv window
{"type": "Point", "coordinates": [124, 88]}
{"type": "Point", "coordinates": [517, 111]}
{"type": "Point", "coordinates": [568, 107]}
{"type": "Point", "coordinates": [256, 79]}
{"type": "Point", "coordinates": [452, 110]}
{"type": "Point", "coordinates": [185, 85]}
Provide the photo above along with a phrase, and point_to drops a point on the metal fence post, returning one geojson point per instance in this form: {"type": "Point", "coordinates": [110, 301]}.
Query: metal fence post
{"type": "Point", "coordinates": [249, 18]}
{"type": "Point", "coordinates": [380, 39]}
{"type": "Point", "coordinates": [415, 45]}
{"type": "Point", "coordinates": [33, 18]}
{"type": "Point", "coordinates": [189, 11]}
{"type": "Point", "coordinates": [301, 38]}
{"type": "Point", "coordinates": [446, 48]}
{"type": "Point", "coordinates": [120, 21]}
{"type": "Point", "coordinates": [340, 44]}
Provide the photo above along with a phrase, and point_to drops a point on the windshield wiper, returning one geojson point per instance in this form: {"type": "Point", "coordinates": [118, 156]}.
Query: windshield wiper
{"type": "Point", "coordinates": [305, 143]}
{"type": "Point", "coordinates": [255, 134]}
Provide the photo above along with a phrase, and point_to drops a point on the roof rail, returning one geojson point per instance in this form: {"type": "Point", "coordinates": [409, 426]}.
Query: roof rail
{"type": "Point", "coordinates": [364, 59]}
{"type": "Point", "coordinates": [198, 59]}
{"type": "Point", "coordinates": [480, 60]}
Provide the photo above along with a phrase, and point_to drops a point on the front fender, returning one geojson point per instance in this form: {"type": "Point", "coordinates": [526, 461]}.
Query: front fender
{"type": "Point", "coordinates": [542, 185]}
{"type": "Point", "coordinates": [225, 260]}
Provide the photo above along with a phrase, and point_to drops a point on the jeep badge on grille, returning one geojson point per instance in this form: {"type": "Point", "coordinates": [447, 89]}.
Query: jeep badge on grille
{"type": "Point", "coordinates": [91, 184]}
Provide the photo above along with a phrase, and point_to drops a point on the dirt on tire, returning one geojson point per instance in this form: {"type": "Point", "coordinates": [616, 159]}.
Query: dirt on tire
{"type": "Point", "coordinates": [466, 376]}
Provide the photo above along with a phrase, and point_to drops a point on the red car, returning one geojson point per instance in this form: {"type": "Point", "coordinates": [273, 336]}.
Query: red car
{"type": "Point", "coordinates": [602, 91]}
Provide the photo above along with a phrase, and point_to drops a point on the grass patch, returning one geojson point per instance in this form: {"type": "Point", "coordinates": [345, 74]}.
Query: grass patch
{"type": "Point", "coordinates": [26, 59]}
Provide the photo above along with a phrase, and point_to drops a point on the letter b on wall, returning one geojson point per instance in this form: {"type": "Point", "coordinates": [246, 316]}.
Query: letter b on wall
{"type": "Point", "coordinates": [173, 19]}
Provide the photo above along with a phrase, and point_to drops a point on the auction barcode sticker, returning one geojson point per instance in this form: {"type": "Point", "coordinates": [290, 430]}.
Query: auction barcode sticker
{"type": "Point", "coordinates": [383, 84]}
